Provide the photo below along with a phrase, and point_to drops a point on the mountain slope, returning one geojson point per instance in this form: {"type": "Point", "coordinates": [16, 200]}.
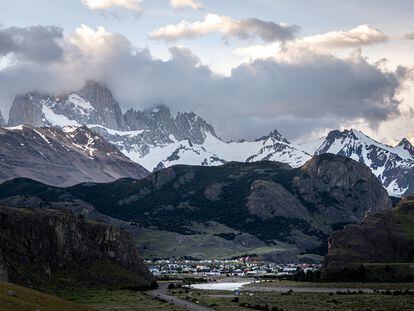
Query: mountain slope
{"type": "Point", "coordinates": [268, 207]}
{"type": "Point", "coordinates": [394, 166]}
{"type": "Point", "coordinates": [29, 299]}
{"type": "Point", "coordinates": [381, 242]}
{"type": "Point", "coordinates": [62, 157]}
{"type": "Point", "coordinates": [50, 250]}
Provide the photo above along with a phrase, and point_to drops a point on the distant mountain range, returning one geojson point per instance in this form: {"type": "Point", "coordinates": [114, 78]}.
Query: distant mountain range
{"type": "Point", "coordinates": [156, 139]}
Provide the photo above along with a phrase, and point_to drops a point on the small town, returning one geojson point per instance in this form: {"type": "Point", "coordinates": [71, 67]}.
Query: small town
{"type": "Point", "coordinates": [241, 267]}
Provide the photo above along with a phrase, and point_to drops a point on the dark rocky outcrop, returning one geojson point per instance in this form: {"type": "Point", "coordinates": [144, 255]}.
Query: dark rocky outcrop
{"type": "Point", "coordinates": [330, 183]}
{"type": "Point", "coordinates": [47, 249]}
{"type": "Point", "coordinates": [269, 199]}
{"type": "Point", "coordinates": [62, 157]}
{"type": "Point", "coordinates": [381, 248]}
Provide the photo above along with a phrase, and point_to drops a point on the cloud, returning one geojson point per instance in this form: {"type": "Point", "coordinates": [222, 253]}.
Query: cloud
{"type": "Point", "coordinates": [356, 37]}
{"type": "Point", "coordinates": [300, 91]}
{"type": "Point", "coordinates": [409, 36]}
{"type": "Point", "coordinates": [181, 4]}
{"type": "Point", "coordinates": [241, 29]}
{"type": "Point", "coordinates": [36, 43]}
{"type": "Point", "coordinates": [132, 5]}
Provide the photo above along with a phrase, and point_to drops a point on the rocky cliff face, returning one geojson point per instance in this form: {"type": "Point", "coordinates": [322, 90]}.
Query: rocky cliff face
{"type": "Point", "coordinates": [94, 104]}
{"type": "Point", "coordinates": [27, 109]}
{"type": "Point", "coordinates": [39, 246]}
{"type": "Point", "coordinates": [62, 157]}
{"type": "Point", "coordinates": [269, 203]}
{"type": "Point", "coordinates": [383, 238]}
{"type": "Point", "coordinates": [2, 121]}
{"type": "Point", "coordinates": [330, 182]}
{"type": "Point", "coordinates": [106, 110]}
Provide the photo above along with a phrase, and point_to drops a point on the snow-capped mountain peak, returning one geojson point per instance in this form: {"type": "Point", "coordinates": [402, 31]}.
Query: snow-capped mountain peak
{"type": "Point", "coordinates": [406, 145]}
{"type": "Point", "coordinates": [274, 136]}
{"type": "Point", "coordinates": [392, 165]}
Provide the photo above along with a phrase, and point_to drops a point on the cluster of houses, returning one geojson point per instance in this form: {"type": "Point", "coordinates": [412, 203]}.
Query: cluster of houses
{"type": "Point", "coordinates": [234, 268]}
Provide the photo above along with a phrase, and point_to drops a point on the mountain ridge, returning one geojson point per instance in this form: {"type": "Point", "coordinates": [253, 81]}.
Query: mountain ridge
{"type": "Point", "coordinates": [156, 139]}
{"type": "Point", "coordinates": [62, 157]}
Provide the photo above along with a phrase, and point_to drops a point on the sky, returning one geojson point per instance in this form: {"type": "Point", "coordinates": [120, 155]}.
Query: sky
{"type": "Point", "coordinates": [247, 67]}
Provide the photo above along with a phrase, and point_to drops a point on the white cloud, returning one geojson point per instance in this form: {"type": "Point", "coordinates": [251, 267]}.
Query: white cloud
{"type": "Point", "coordinates": [133, 5]}
{"type": "Point", "coordinates": [357, 37]}
{"type": "Point", "coordinates": [409, 36]}
{"type": "Point", "coordinates": [181, 4]}
{"type": "Point", "coordinates": [260, 51]}
{"type": "Point", "coordinates": [242, 29]}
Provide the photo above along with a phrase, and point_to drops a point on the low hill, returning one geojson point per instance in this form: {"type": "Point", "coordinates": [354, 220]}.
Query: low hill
{"type": "Point", "coordinates": [53, 250]}
{"type": "Point", "coordinates": [379, 249]}
{"type": "Point", "coordinates": [17, 298]}
{"type": "Point", "coordinates": [263, 208]}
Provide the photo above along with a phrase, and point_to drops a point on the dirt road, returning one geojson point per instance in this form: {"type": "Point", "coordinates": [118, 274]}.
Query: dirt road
{"type": "Point", "coordinates": [162, 293]}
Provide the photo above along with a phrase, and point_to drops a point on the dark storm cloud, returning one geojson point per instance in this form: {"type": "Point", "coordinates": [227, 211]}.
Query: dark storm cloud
{"type": "Point", "coordinates": [267, 31]}
{"type": "Point", "coordinates": [35, 43]}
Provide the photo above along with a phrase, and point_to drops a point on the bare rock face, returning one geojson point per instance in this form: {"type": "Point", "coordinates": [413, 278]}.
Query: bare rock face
{"type": "Point", "coordinates": [2, 121]}
{"type": "Point", "coordinates": [383, 238]}
{"type": "Point", "coordinates": [93, 104]}
{"type": "Point", "coordinates": [214, 191]}
{"type": "Point", "coordinates": [329, 183]}
{"type": "Point", "coordinates": [50, 242]}
{"type": "Point", "coordinates": [62, 157]}
{"type": "Point", "coordinates": [190, 126]}
{"type": "Point", "coordinates": [163, 177]}
{"type": "Point", "coordinates": [27, 109]}
{"type": "Point", "coordinates": [106, 109]}
{"type": "Point", "coordinates": [269, 199]}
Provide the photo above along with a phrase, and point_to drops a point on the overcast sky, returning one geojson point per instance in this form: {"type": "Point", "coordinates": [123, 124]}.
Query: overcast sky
{"type": "Point", "coordinates": [247, 67]}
